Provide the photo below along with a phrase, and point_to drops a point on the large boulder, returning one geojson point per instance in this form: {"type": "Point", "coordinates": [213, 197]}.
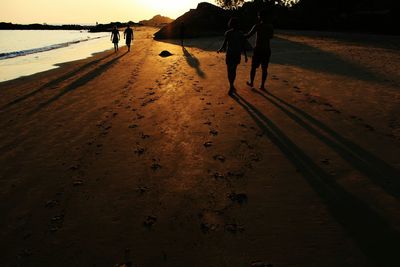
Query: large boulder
{"type": "Point", "coordinates": [207, 19]}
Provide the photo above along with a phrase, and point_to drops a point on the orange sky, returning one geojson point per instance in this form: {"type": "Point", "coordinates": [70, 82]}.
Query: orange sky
{"type": "Point", "coordinates": [90, 11]}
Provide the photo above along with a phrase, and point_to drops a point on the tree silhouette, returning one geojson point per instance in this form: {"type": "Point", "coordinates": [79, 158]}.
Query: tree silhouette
{"type": "Point", "coordinates": [229, 4]}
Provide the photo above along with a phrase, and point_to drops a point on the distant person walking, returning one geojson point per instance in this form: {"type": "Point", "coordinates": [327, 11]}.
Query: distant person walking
{"type": "Point", "coordinates": [262, 50]}
{"type": "Point", "coordinates": [234, 44]}
{"type": "Point", "coordinates": [128, 36]}
{"type": "Point", "coordinates": [182, 33]}
{"type": "Point", "coordinates": [115, 38]}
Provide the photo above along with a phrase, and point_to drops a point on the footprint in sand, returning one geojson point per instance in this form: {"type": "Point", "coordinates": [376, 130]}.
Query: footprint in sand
{"type": "Point", "coordinates": [150, 221]}
{"type": "Point", "coordinates": [155, 166]}
{"type": "Point", "coordinates": [78, 183]}
{"type": "Point", "coordinates": [218, 176]}
{"type": "Point", "coordinates": [369, 127]}
{"type": "Point", "coordinates": [234, 228]}
{"type": "Point", "coordinates": [214, 132]}
{"type": "Point", "coordinates": [143, 189]}
{"type": "Point", "coordinates": [208, 144]}
{"type": "Point", "coordinates": [261, 264]}
{"type": "Point", "coordinates": [140, 150]}
{"type": "Point", "coordinates": [144, 136]}
{"type": "Point", "coordinates": [219, 158]}
{"type": "Point", "coordinates": [238, 198]}
{"type": "Point", "coordinates": [254, 157]}
{"type": "Point", "coordinates": [56, 223]}
{"type": "Point", "coordinates": [236, 174]}
{"type": "Point", "coordinates": [326, 161]}
{"type": "Point", "coordinates": [51, 204]}
{"type": "Point", "coordinates": [126, 264]}
{"type": "Point", "coordinates": [246, 143]}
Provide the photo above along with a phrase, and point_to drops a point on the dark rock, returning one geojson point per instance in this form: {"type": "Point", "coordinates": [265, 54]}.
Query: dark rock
{"type": "Point", "coordinates": [165, 53]}
{"type": "Point", "coordinates": [207, 19]}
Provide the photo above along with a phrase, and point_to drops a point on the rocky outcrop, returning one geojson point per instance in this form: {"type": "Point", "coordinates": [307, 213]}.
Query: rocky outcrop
{"type": "Point", "coordinates": [205, 20]}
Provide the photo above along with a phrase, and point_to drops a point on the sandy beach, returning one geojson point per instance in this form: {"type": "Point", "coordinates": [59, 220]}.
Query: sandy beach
{"type": "Point", "coordinates": [135, 159]}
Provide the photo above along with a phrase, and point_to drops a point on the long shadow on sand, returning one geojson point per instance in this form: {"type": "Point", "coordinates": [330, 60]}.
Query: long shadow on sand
{"type": "Point", "coordinates": [291, 53]}
{"type": "Point", "coordinates": [374, 236]}
{"type": "Point", "coordinates": [54, 83]}
{"type": "Point", "coordinates": [380, 172]}
{"type": "Point", "coordinates": [80, 82]}
{"type": "Point", "coordinates": [193, 62]}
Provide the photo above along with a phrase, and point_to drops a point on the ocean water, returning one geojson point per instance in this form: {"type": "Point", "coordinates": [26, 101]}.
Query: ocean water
{"type": "Point", "coordinates": [26, 52]}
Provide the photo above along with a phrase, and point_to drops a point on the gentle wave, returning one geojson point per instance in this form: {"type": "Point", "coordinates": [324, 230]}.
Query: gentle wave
{"type": "Point", "coordinates": [42, 49]}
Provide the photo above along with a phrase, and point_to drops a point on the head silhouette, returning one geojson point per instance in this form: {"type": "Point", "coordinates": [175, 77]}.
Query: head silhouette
{"type": "Point", "coordinates": [263, 15]}
{"type": "Point", "coordinates": [233, 23]}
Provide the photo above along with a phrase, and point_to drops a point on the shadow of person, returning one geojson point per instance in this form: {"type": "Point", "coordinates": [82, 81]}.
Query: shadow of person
{"type": "Point", "coordinates": [80, 81]}
{"type": "Point", "coordinates": [371, 232]}
{"type": "Point", "coordinates": [193, 62]}
{"type": "Point", "coordinates": [380, 172]}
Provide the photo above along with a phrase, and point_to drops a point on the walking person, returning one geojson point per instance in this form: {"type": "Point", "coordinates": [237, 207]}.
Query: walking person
{"type": "Point", "coordinates": [115, 38]}
{"type": "Point", "coordinates": [128, 36]}
{"type": "Point", "coordinates": [234, 44]}
{"type": "Point", "coordinates": [262, 50]}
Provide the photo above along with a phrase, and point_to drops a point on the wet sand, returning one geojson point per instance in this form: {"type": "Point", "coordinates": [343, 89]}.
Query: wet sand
{"type": "Point", "coordinates": [135, 159]}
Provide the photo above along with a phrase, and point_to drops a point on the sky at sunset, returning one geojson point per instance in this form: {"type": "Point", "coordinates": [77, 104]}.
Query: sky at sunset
{"type": "Point", "coordinates": [90, 11]}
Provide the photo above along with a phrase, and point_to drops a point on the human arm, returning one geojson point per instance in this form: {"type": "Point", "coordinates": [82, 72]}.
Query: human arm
{"type": "Point", "coordinates": [223, 47]}
{"type": "Point", "coordinates": [224, 44]}
{"type": "Point", "coordinates": [251, 32]}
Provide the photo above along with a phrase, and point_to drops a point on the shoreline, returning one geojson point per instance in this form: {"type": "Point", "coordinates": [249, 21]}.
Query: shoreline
{"type": "Point", "coordinates": [60, 68]}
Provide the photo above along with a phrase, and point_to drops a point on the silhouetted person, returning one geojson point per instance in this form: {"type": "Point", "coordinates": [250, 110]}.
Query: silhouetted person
{"type": "Point", "coordinates": [262, 50]}
{"type": "Point", "coordinates": [182, 32]}
{"type": "Point", "coordinates": [234, 44]}
{"type": "Point", "coordinates": [128, 36]}
{"type": "Point", "coordinates": [115, 38]}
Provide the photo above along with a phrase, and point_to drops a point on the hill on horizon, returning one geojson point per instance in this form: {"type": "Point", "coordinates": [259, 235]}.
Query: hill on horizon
{"type": "Point", "coordinates": [156, 21]}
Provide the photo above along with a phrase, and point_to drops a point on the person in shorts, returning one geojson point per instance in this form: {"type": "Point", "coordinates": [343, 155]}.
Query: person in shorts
{"type": "Point", "coordinates": [262, 50]}
{"type": "Point", "coordinates": [128, 36]}
{"type": "Point", "coordinates": [234, 44]}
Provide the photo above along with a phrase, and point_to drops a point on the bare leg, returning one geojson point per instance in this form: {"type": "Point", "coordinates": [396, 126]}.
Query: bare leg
{"type": "Point", "coordinates": [231, 77]}
{"type": "Point", "coordinates": [252, 76]}
{"type": "Point", "coordinates": [264, 77]}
